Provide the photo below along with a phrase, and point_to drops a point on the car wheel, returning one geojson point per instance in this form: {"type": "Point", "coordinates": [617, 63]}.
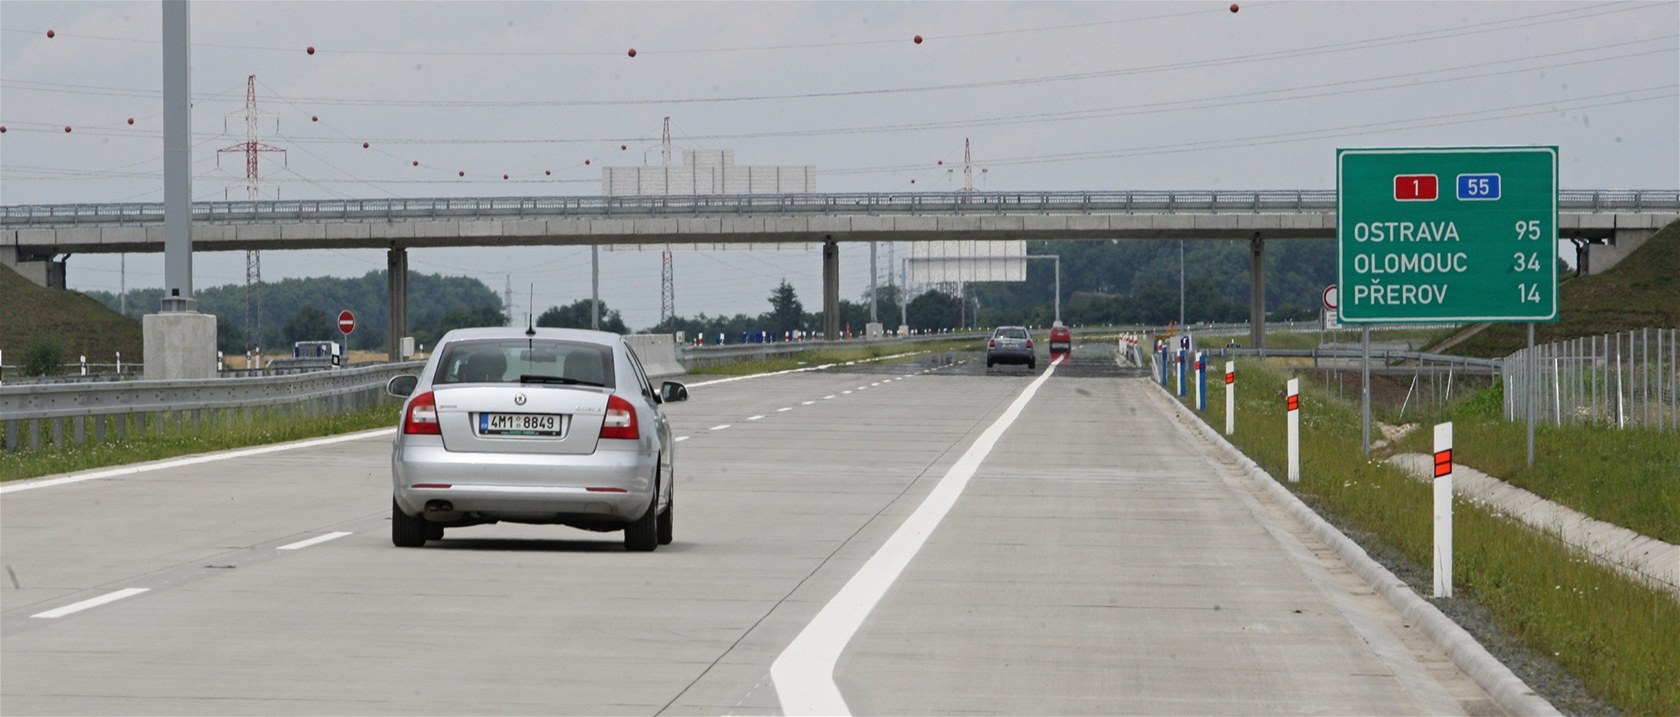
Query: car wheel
{"type": "Point", "coordinates": [988, 363]}
{"type": "Point", "coordinates": [434, 531]}
{"type": "Point", "coordinates": [1032, 365]}
{"type": "Point", "coordinates": [642, 535]}
{"type": "Point", "coordinates": [406, 531]}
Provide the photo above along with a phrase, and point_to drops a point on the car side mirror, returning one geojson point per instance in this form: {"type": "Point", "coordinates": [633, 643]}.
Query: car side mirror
{"type": "Point", "coordinates": [402, 386]}
{"type": "Point", "coordinates": [672, 392]}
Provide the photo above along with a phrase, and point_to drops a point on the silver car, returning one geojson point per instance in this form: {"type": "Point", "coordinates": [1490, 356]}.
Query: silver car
{"type": "Point", "coordinates": [1010, 344]}
{"type": "Point", "coordinates": [555, 426]}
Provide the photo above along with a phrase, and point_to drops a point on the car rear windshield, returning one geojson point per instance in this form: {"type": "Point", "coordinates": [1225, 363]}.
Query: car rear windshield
{"type": "Point", "coordinates": [530, 360]}
{"type": "Point", "coordinates": [1011, 333]}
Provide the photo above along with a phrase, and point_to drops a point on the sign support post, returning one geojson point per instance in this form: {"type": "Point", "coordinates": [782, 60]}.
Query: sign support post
{"type": "Point", "coordinates": [1294, 409]}
{"type": "Point", "coordinates": [1529, 380]}
{"type": "Point", "coordinates": [1365, 390]}
{"type": "Point", "coordinates": [1443, 509]}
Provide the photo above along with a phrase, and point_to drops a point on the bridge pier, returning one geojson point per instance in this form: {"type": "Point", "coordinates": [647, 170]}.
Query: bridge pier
{"type": "Point", "coordinates": [831, 289]}
{"type": "Point", "coordinates": [396, 285]}
{"type": "Point", "coordinates": [1257, 292]}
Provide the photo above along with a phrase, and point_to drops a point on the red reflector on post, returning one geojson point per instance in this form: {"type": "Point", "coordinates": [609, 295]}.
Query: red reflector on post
{"type": "Point", "coordinates": [1295, 403]}
{"type": "Point", "coordinates": [1230, 378]}
{"type": "Point", "coordinates": [1443, 463]}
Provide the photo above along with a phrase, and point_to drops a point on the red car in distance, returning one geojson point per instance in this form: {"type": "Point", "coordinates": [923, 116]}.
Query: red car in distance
{"type": "Point", "coordinates": [1061, 342]}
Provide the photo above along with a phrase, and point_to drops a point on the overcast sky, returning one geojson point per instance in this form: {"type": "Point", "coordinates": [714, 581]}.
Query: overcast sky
{"type": "Point", "coordinates": [1053, 96]}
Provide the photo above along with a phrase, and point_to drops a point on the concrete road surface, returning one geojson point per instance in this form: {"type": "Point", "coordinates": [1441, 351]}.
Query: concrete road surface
{"type": "Point", "coordinates": [1099, 561]}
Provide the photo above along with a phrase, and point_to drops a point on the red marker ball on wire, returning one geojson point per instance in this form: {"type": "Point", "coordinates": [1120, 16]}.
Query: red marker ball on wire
{"type": "Point", "coordinates": [67, 129]}
{"type": "Point", "coordinates": [504, 176]}
{"type": "Point", "coordinates": [918, 39]}
{"type": "Point", "coordinates": [314, 118]}
{"type": "Point", "coordinates": [131, 120]}
{"type": "Point", "coordinates": [364, 145]}
{"type": "Point", "coordinates": [310, 49]}
{"type": "Point", "coordinates": [51, 34]}
{"type": "Point", "coordinates": [461, 174]}
{"type": "Point", "coordinates": [416, 162]}
{"type": "Point", "coordinates": [632, 52]}
{"type": "Point", "coordinates": [586, 163]}
{"type": "Point", "coordinates": [624, 146]}
{"type": "Point", "coordinates": [1233, 7]}
{"type": "Point", "coordinates": [547, 173]}
{"type": "Point", "coordinates": [2, 129]}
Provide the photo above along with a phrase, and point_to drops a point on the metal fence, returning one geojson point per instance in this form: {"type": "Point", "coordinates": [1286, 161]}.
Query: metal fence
{"type": "Point", "coordinates": [1622, 379]}
{"type": "Point", "coordinates": [33, 416]}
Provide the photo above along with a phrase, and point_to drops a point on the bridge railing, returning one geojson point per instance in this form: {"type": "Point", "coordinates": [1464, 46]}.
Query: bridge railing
{"type": "Point", "coordinates": [897, 203]}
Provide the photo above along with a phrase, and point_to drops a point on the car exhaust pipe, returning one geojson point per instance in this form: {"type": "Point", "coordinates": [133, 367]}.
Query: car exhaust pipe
{"type": "Point", "coordinates": [439, 506]}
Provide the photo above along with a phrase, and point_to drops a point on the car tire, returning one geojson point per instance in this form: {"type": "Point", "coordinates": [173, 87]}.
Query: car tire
{"type": "Point", "coordinates": [988, 363]}
{"type": "Point", "coordinates": [1032, 365]}
{"type": "Point", "coordinates": [667, 523]}
{"type": "Point", "coordinates": [406, 531]}
{"type": "Point", "coordinates": [434, 531]}
{"type": "Point", "coordinates": [642, 535]}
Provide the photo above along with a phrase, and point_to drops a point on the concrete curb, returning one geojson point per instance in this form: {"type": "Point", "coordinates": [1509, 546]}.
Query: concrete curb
{"type": "Point", "coordinates": [1509, 691]}
{"type": "Point", "coordinates": [1640, 557]}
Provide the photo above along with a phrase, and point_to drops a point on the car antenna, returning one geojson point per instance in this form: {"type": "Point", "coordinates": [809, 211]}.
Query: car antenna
{"type": "Point", "coordinates": [530, 307]}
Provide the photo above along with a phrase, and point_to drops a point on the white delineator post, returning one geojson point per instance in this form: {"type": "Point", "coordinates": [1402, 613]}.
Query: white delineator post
{"type": "Point", "coordinates": [1294, 406]}
{"type": "Point", "coordinates": [1443, 510]}
{"type": "Point", "coordinates": [1230, 397]}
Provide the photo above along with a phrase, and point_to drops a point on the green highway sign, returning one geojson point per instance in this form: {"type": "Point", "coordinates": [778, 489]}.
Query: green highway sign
{"type": "Point", "coordinates": [1448, 234]}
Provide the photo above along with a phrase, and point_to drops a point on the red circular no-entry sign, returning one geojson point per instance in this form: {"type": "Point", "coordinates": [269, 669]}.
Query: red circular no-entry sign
{"type": "Point", "coordinates": [346, 322]}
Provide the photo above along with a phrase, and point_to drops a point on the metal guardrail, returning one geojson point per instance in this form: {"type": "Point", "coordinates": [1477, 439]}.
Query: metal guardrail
{"type": "Point", "coordinates": [64, 414]}
{"type": "Point", "coordinates": [699, 356]}
{"type": "Point", "coordinates": [1385, 357]}
{"type": "Point", "coordinates": [896, 203]}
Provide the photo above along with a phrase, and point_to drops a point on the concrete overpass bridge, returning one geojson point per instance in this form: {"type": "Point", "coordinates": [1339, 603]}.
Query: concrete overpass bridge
{"type": "Point", "coordinates": [37, 239]}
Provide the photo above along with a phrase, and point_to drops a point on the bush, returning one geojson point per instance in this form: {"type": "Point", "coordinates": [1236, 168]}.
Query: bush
{"type": "Point", "coordinates": [43, 357]}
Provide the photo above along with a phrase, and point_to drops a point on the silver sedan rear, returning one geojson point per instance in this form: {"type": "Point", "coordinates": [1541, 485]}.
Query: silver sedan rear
{"type": "Point", "coordinates": [553, 426]}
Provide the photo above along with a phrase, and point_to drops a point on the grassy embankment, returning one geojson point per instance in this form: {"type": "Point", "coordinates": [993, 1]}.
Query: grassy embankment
{"type": "Point", "coordinates": [1616, 636]}
{"type": "Point", "coordinates": [264, 427]}
{"type": "Point", "coordinates": [80, 326]}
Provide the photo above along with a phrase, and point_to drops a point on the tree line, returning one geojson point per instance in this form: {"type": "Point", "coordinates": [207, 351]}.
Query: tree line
{"type": "Point", "coordinates": [1103, 282]}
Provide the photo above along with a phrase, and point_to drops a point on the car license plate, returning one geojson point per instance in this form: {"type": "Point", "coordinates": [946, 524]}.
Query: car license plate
{"type": "Point", "coordinates": [518, 424]}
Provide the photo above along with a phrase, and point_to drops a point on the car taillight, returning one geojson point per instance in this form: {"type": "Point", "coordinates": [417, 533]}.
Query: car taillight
{"type": "Point", "coordinates": [421, 418]}
{"type": "Point", "coordinates": [620, 421]}
{"type": "Point", "coordinates": [991, 343]}
{"type": "Point", "coordinates": [1029, 343]}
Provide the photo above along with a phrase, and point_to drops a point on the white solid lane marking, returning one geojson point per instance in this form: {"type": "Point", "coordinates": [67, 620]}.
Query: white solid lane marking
{"type": "Point", "coordinates": [754, 418]}
{"type": "Point", "coordinates": [317, 540]}
{"type": "Point", "coordinates": [804, 672]}
{"type": "Point", "coordinates": [719, 427]}
{"type": "Point", "coordinates": [680, 439]}
{"type": "Point", "coordinates": [161, 465]}
{"type": "Point", "coordinates": [784, 409]}
{"type": "Point", "coordinates": [89, 603]}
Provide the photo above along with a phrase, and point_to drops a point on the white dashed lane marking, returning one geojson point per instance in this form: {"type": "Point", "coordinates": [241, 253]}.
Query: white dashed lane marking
{"type": "Point", "coordinates": [89, 603]}
{"type": "Point", "coordinates": [718, 427]}
{"type": "Point", "coordinates": [317, 540]}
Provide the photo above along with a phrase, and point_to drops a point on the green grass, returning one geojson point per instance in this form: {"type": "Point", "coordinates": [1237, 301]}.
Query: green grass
{"type": "Point", "coordinates": [804, 359]}
{"type": "Point", "coordinates": [265, 427]}
{"type": "Point", "coordinates": [80, 325]}
{"type": "Point", "coordinates": [1618, 637]}
{"type": "Point", "coordinates": [1628, 477]}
